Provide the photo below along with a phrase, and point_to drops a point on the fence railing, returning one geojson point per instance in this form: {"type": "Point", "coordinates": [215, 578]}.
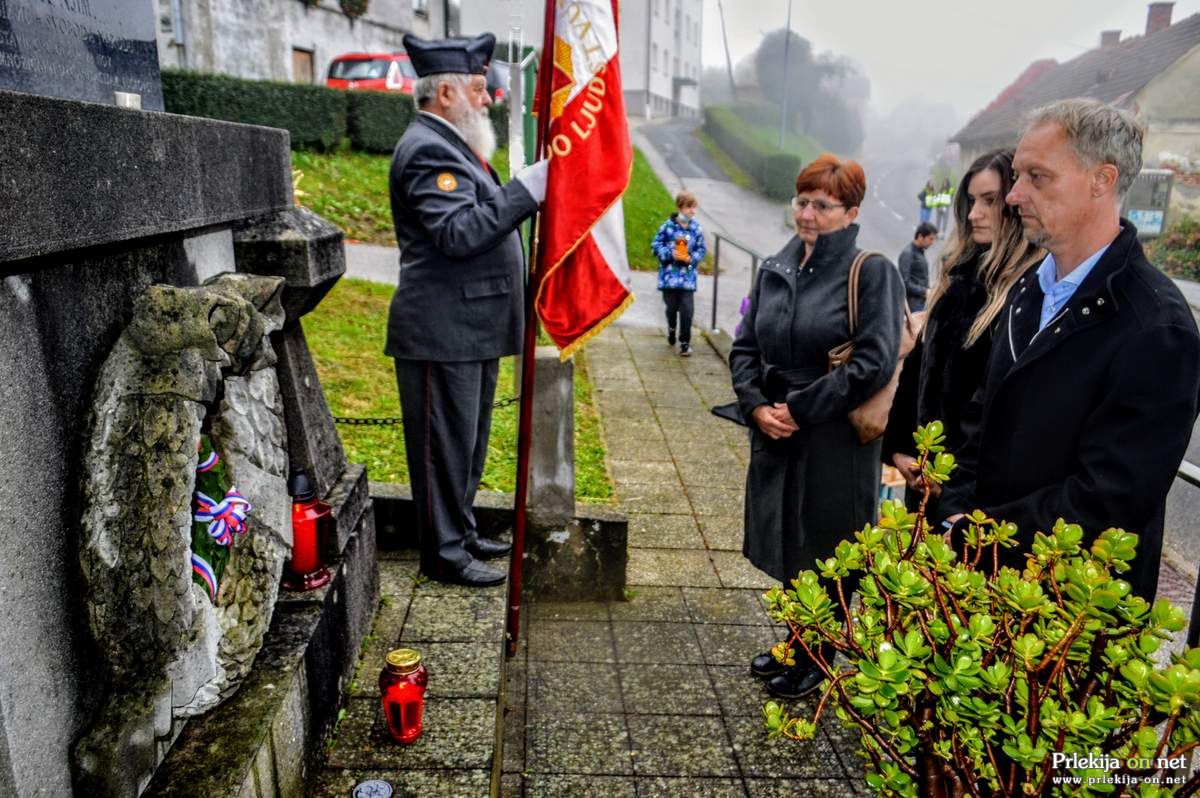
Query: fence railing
{"type": "Point", "coordinates": [755, 258]}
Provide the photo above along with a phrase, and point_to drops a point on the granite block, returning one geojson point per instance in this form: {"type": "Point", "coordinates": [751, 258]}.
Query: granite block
{"type": "Point", "coordinates": [681, 745]}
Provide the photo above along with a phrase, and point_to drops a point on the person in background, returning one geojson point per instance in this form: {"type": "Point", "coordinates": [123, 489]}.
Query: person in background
{"type": "Point", "coordinates": [985, 256]}
{"type": "Point", "coordinates": [810, 483]}
{"type": "Point", "coordinates": [914, 269]}
{"type": "Point", "coordinates": [945, 197]}
{"type": "Point", "coordinates": [679, 247]}
{"type": "Point", "coordinates": [1093, 385]}
{"type": "Point", "coordinates": [925, 201]}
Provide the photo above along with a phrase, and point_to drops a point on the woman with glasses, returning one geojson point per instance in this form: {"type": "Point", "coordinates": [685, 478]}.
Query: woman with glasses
{"type": "Point", "coordinates": [986, 255]}
{"type": "Point", "coordinates": [811, 484]}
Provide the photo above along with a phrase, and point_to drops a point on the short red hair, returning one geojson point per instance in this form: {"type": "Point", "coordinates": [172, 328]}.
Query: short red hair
{"type": "Point", "coordinates": [844, 180]}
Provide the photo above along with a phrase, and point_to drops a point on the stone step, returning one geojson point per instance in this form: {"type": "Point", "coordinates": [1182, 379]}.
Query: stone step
{"type": "Point", "coordinates": [460, 634]}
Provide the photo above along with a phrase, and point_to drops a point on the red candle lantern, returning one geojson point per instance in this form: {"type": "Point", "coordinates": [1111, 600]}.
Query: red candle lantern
{"type": "Point", "coordinates": [402, 693]}
{"type": "Point", "coordinates": [309, 515]}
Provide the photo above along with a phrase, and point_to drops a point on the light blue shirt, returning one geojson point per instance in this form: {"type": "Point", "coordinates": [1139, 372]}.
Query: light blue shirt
{"type": "Point", "coordinates": [1057, 294]}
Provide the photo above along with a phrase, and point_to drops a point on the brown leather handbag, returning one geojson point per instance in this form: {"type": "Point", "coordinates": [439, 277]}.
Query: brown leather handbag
{"type": "Point", "coordinates": [870, 418]}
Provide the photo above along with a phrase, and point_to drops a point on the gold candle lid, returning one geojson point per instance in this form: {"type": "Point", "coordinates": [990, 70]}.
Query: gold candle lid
{"type": "Point", "coordinates": [403, 660]}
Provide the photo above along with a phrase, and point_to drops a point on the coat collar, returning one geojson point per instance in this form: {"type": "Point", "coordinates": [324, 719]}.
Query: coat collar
{"type": "Point", "coordinates": [1094, 302]}
{"type": "Point", "coordinates": [452, 137]}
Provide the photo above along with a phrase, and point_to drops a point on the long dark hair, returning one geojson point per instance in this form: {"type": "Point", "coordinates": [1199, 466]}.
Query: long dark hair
{"type": "Point", "coordinates": [1001, 262]}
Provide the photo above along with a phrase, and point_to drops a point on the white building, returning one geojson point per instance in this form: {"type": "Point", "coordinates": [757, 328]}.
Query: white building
{"type": "Point", "coordinates": [660, 47]}
{"type": "Point", "coordinates": [288, 40]}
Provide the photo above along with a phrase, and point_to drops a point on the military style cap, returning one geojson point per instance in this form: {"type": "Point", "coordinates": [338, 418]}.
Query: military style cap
{"type": "Point", "coordinates": [466, 56]}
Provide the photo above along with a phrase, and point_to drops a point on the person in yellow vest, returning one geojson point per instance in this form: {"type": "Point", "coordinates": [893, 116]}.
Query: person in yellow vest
{"type": "Point", "coordinates": [942, 205]}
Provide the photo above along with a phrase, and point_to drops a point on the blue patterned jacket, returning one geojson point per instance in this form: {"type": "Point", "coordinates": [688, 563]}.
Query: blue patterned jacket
{"type": "Point", "coordinates": [673, 273]}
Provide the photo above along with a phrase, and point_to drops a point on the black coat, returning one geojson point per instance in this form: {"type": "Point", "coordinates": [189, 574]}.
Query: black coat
{"type": "Point", "coordinates": [460, 295]}
{"type": "Point", "coordinates": [1088, 419]}
{"type": "Point", "coordinates": [940, 377]}
{"type": "Point", "coordinates": [914, 270]}
{"type": "Point", "coordinates": [807, 492]}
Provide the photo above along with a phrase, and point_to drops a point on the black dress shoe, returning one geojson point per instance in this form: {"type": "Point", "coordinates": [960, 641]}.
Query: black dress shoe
{"type": "Point", "coordinates": [796, 682]}
{"type": "Point", "coordinates": [765, 666]}
{"type": "Point", "coordinates": [488, 549]}
{"type": "Point", "coordinates": [474, 574]}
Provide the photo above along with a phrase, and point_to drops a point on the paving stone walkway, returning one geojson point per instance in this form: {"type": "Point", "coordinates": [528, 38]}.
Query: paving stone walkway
{"type": "Point", "coordinates": [652, 696]}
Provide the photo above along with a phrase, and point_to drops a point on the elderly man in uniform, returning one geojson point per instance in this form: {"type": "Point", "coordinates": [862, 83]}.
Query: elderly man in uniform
{"type": "Point", "coordinates": [1094, 379]}
{"type": "Point", "coordinates": [459, 304]}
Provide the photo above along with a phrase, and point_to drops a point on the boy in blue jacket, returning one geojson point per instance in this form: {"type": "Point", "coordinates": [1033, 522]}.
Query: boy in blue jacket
{"type": "Point", "coordinates": [679, 247]}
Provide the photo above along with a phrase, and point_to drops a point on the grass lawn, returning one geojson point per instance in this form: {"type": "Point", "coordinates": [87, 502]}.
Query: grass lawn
{"type": "Point", "coordinates": [346, 336]}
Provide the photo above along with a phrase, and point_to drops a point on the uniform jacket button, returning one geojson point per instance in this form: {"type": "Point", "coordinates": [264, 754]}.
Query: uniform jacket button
{"type": "Point", "coordinates": [1086, 311]}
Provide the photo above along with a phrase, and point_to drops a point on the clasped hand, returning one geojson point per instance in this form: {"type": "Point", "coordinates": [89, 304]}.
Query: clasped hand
{"type": "Point", "coordinates": [775, 420]}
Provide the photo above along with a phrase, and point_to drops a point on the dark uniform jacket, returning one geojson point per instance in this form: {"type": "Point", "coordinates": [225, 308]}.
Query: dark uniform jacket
{"type": "Point", "coordinates": [460, 295]}
{"type": "Point", "coordinates": [1088, 419]}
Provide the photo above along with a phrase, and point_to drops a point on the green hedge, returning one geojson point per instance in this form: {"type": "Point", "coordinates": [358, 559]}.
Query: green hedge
{"type": "Point", "coordinates": [377, 118]}
{"type": "Point", "coordinates": [314, 115]}
{"type": "Point", "coordinates": [772, 169]}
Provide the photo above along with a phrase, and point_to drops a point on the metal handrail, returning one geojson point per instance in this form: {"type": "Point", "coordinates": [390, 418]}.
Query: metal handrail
{"type": "Point", "coordinates": [755, 257]}
{"type": "Point", "coordinates": [1190, 473]}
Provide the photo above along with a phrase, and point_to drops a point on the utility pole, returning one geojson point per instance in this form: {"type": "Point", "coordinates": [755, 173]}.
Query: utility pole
{"type": "Point", "coordinates": [728, 60]}
{"type": "Point", "coordinates": [787, 41]}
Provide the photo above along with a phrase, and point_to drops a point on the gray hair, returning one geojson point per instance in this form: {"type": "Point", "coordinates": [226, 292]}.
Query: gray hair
{"type": "Point", "coordinates": [1098, 133]}
{"type": "Point", "coordinates": [425, 89]}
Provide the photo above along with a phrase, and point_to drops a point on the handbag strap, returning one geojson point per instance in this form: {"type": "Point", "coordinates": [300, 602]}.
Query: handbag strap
{"type": "Point", "coordinates": [852, 290]}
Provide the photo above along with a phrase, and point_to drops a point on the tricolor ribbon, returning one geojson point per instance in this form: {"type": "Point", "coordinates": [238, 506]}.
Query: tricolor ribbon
{"type": "Point", "coordinates": [209, 462]}
{"type": "Point", "coordinates": [224, 517]}
{"type": "Point", "coordinates": [201, 567]}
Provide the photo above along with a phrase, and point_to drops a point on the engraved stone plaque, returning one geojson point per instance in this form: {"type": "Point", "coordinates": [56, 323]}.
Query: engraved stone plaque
{"type": "Point", "coordinates": [80, 49]}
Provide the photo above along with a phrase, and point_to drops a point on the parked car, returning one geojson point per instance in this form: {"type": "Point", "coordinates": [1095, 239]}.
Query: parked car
{"type": "Point", "coordinates": [377, 71]}
{"type": "Point", "coordinates": [497, 81]}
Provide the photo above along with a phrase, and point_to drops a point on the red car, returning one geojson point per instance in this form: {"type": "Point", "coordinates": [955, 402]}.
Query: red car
{"type": "Point", "coordinates": [378, 71]}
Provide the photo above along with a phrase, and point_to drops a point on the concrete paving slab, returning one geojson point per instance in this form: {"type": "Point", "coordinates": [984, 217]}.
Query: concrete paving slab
{"type": "Point", "coordinates": [670, 567]}
{"type": "Point", "coordinates": [681, 745]}
{"type": "Point", "coordinates": [668, 689]}
{"type": "Point", "coordinates": [649, 603]}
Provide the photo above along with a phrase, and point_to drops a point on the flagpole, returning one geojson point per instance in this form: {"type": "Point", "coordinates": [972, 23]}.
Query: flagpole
{"type": "Point", "coordinates": [528, 359]}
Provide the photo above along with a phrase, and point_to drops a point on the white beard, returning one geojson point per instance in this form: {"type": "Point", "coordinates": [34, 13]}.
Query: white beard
{"type": "Point", "coordinates": [476, 128]}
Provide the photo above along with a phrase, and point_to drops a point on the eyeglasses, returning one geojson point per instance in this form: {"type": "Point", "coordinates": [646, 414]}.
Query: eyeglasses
{"type": "Point", "coordinates": [820, 206]}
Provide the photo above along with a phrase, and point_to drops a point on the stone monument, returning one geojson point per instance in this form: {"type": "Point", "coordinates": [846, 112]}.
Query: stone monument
{"type": "Point", "coordinates": [105, 209]}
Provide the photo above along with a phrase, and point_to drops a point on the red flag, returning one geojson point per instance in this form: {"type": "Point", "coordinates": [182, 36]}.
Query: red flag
{"type": "Point", "coordinates": [585, 280]}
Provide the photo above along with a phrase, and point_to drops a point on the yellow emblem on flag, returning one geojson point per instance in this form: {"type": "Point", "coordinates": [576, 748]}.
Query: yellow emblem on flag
{"type": "Point", "coordinates": [447, 182]}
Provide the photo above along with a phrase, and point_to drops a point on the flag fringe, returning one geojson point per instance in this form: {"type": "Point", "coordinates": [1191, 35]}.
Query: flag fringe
{"type": "Point", "coordinates": [596, 329]}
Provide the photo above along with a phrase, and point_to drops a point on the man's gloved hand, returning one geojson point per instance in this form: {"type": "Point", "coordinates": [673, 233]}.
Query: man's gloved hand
{"type": "Point", "coordinates": [533, 177]}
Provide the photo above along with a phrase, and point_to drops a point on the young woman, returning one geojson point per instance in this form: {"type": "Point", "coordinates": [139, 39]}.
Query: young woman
{"type": "Point", "coordinates": [984, 258]}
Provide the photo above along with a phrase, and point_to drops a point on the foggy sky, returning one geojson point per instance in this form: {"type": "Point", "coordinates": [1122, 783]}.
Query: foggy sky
{"type": "Point", "coordinates": [958, 51]}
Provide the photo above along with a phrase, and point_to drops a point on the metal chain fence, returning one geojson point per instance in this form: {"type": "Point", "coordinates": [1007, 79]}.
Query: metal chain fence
{"type": "Point", "coordinates": [388, 421]}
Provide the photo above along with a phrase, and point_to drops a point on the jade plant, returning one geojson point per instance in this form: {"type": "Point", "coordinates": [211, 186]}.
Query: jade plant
{"type": "Point", "coordinates": [964, 677]}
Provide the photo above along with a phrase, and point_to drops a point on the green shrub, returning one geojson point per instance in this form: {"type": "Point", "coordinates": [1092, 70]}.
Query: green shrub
{"type": "Point", "coordinates": [967, 678]}
{"type": "Point", "coordinates": [1177, 251]}
{"type": "Point", "coordinates": [314, 115]}
{"type": "Point", "coordinates": [377, 118]}
{"type": "Point", "coordinates": [773, 170]}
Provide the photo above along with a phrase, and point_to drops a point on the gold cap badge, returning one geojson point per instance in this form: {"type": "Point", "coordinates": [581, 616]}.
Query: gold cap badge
{"type": "Point", "coordinates": [447, 182]}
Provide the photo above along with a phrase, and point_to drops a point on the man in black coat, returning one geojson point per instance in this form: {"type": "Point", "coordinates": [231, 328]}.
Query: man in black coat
{"type": "Point", "coordinates": [1094, 379]}
{"type": "Point", "coordinates": [914, 269]}
{"type": "Point", "coordinates": [459, 304]}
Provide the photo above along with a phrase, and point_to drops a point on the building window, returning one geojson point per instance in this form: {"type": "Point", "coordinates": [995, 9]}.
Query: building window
{"type": "Point", "coordinates": [421, 7]}
{"type": "Point", "coordinates": [676, 71]}
{"type": "Point", "coordinates": [666, 61]}
{"type": "Point", "coordinates": [302, 66]}
{"type": "Point", "coordinates": [654, 58]}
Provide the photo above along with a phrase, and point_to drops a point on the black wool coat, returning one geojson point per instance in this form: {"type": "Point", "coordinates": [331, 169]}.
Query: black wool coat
{"type": "Point", "coordinates": [807, 492]}
{"type": "Point", "coordinates": [941, 376]}
{"type": "Point", "coordinates": [1088, 419]}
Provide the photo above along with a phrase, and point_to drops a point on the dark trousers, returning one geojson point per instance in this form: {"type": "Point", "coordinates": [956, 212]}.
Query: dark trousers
{"type": "Point", "coordinates": [447, 409]}
{"type": "Point", "coordinates": [680, 304]}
